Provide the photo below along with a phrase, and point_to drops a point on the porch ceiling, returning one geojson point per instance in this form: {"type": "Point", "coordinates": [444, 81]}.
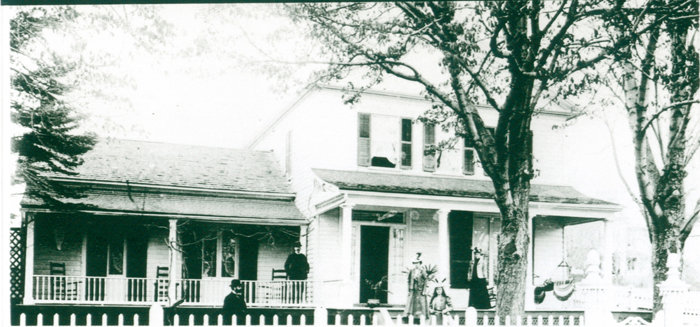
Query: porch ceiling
{"type": "Point", "coordinates": [445, 186]}
{"type": "Point", "coordinates": [218, 208]}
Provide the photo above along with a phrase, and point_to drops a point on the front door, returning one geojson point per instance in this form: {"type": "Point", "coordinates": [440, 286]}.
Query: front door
{"type": "Point", "coordinates": [374, 262]}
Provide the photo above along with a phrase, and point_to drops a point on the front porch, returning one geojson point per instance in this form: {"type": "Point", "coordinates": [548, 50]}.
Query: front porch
{"type": "Point", "coordinates": [97, 260]}
{"type": "Point", "coordinates": [50, 289]}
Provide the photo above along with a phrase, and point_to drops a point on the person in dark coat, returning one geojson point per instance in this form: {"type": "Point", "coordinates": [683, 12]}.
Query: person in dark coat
{"type": "Point", "coordinates": [478, 291]}
{"type": "Point", "coordinates": [234, 303]}
{"type": "Point", "coordinates": [297, 268]}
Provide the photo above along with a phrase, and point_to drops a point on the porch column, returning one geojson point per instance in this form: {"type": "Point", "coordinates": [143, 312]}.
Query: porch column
{"type": "Point", "coordinates": [607, 250]}
{"type": "Point", "coordinates": [444, 243]}
{"type": "Point", "coordinates": [346, 252]}
{"type": "Point", "coordinates": [29, 261]}
{"type": "Point", "coordinates": [175, 274]}
{"type": "Point", "coordinates": [303, 238]}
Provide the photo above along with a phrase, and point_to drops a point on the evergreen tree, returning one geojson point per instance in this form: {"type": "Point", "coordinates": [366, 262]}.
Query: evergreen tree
{"type": "Point", "coordinates": [40, 80]}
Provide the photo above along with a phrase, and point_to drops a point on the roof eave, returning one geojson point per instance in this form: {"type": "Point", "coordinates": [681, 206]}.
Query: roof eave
{"type": "Point", "coordinates": [175, 189]}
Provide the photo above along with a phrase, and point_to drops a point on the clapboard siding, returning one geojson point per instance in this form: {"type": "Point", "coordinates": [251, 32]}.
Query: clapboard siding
{"type": "Point", "coordinates": [423, 238]}
{"type": "Point", "coordinates": [328, 260]}
{"type": "Point", "coordinates": [158, 254]}
{"type": "Point", "coordinates": [271, 256]}
{"type": "Point", "coordinates": [45, 250]}
{"type": "Point", "coordinates": [547, 247]}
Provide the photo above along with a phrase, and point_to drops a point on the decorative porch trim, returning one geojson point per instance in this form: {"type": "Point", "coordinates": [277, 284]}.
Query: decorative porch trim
{"type": "Point", "coordinates": [215, 219]}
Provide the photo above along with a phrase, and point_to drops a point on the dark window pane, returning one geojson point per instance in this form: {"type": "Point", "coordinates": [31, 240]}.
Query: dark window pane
{"type": "Point", "coordinates": [429, 134]}
{"type": "Point", "coordinates": [228, 255]}
{"type": "Point", "coordinates": [406, 158]}
{"type": "Point", "coordinates": [406, 129]}
{"type": "Point", "coordinates": [209, 258]}
{"type": "Point", "coordinates": [468, 167]}
{"type": "Point", "coordinates": [364, 125]}
{"type": "Point", "coordinates": [116, 256]}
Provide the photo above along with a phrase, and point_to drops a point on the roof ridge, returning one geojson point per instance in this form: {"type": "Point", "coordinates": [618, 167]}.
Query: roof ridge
{"type": "Point", "coordinates": [100, 139]}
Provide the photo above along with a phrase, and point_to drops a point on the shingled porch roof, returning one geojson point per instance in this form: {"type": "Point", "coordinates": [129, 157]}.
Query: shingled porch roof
{"type": "Point", "coordinates": [162, 179]}
{"type": "Point", "coordinates": [445, 186]}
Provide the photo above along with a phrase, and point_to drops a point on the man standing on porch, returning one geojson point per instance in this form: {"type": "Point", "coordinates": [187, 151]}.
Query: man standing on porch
{"type": "Point", "coordinates": [297, 268]}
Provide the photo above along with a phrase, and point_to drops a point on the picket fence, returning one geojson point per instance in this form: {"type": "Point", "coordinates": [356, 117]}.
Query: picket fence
{"type": "Point", "coordinates": [471, 318]}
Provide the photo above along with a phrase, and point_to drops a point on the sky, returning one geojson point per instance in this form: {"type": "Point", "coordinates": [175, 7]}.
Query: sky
{"type": "Point", "coordinates": [190, 74]}
{"type": "Point", "coordinates": [193, 74]}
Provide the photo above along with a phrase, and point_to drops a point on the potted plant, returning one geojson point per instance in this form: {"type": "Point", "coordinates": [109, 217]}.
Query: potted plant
{"type": "Point", "coordinates": [375, 290]}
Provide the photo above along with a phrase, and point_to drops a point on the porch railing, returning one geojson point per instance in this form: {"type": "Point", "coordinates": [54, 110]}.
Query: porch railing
{"type": "Point", "coordinates": [126, 290]}
{"type": "Point", "coordinates": [256, 293]}
{"type": "Point", "coordinates": [81, 289]}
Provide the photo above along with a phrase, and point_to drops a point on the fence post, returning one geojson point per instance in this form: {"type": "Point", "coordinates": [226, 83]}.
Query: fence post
{"type": "Point", "coordinates": [320, 316]}
{"type": "Point", "coordinates": [592, 290]}
{"type": "Point", "coordinates": [155, 315]}
{"type": "Point", "coordinates": [470, 316]}
{"type": "Point", "coordinates": [673, 291]}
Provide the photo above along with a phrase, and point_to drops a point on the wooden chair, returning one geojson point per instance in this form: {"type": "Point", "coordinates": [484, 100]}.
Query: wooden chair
{"type": "Point", "coordinates": [61, 289]}
{"type": "Point", "coordinates": [279, 274]}
{"type": "Point", "coordinates": [162, 284]}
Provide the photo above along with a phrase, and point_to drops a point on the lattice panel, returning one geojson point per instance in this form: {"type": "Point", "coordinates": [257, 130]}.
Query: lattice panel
{"type": "Point", "coordinates": [16, 264]}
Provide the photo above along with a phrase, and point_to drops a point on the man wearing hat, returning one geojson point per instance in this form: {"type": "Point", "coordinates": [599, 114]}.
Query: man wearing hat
{"type": "Point", "coordinates": [234, 304]}
{"type": "Point", "coordinates": [297, 268]}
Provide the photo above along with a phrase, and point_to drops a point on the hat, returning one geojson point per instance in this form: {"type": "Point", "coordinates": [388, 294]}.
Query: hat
{"type": "Point", "coordinates": [297, 244]}
{"type": "Point", "coordinates": [418, 260]}
{"type": "Point", "coordinates": [235, 283]}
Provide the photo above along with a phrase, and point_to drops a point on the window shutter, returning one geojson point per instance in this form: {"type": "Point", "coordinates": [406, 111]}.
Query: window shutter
{"type": "Point", "coordinates": [406, 143]}
{"type": "Point", "coordinates": [363, 140]}
{"type": "Point", "coordinates": [429, 155]}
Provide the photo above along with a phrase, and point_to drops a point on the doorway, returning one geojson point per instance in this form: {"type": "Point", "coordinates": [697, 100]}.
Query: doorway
{"type": "Point", "coordinates": [374, 261]}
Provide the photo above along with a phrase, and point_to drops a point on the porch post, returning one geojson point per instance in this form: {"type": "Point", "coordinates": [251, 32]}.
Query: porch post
{"type": "Point", "coordinates": [29, 261]}
{"type": "Point", "coordinates": [444, 243]}
{"type": "Point", "coordinates": [175, 274]}
{"type": "Point", "coordinates": [607, 250]}
{"type": "Point", "coordinates": [346, 251]}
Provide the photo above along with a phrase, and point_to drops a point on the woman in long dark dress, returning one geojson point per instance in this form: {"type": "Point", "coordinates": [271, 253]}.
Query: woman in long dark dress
{"type": "Point", "coordinates": [478, 292]}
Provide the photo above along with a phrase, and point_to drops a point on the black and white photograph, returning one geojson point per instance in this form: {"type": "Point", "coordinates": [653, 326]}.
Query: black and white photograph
{"type": "Point", "coordinates": [454, 163]}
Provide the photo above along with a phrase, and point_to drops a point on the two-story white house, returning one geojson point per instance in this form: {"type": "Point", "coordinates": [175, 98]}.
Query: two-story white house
{"type": "Point", "coordinates": [375, 195]}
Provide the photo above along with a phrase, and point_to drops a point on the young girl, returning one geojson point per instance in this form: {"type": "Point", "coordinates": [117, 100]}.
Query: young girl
{"type": "Point", "coordinates": [440, 303]}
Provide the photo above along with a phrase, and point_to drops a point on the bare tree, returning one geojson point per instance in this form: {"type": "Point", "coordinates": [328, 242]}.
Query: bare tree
{"type": "Point", "coordinates": [656, 77]}
{"type": "Point", "coordinates": [508, 54]}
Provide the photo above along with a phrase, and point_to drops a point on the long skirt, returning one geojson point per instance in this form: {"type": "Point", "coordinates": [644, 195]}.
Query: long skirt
{"type": "Point", "coordinates": [478, 294]}
{"type": "Point", "coordinates": [417, 303]}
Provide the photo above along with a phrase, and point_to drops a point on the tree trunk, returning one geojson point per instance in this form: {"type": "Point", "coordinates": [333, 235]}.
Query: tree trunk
{"type": "Point", "coordinates": [512, 257]}
{"type": "Point", "coordinates": [666, 240]}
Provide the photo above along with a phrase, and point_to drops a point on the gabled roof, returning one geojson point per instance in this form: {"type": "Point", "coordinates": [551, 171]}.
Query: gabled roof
{"type": "Point", "coordinates": [445, 186]}
{"type": "Point", "coordinates": [165, 164]}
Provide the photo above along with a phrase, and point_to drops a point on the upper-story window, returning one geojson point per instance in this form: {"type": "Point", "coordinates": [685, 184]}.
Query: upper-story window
{"type": "Point", "coordinates": [378, 142]}
{"type": "Point", "coordinates": [406, 143]}
{"type": "Point", "coordinates": [469, 162]}
{"type": "Point", "coordinates": [363, 141]}
{"type": "Point", "coordinates": [429, 152]}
